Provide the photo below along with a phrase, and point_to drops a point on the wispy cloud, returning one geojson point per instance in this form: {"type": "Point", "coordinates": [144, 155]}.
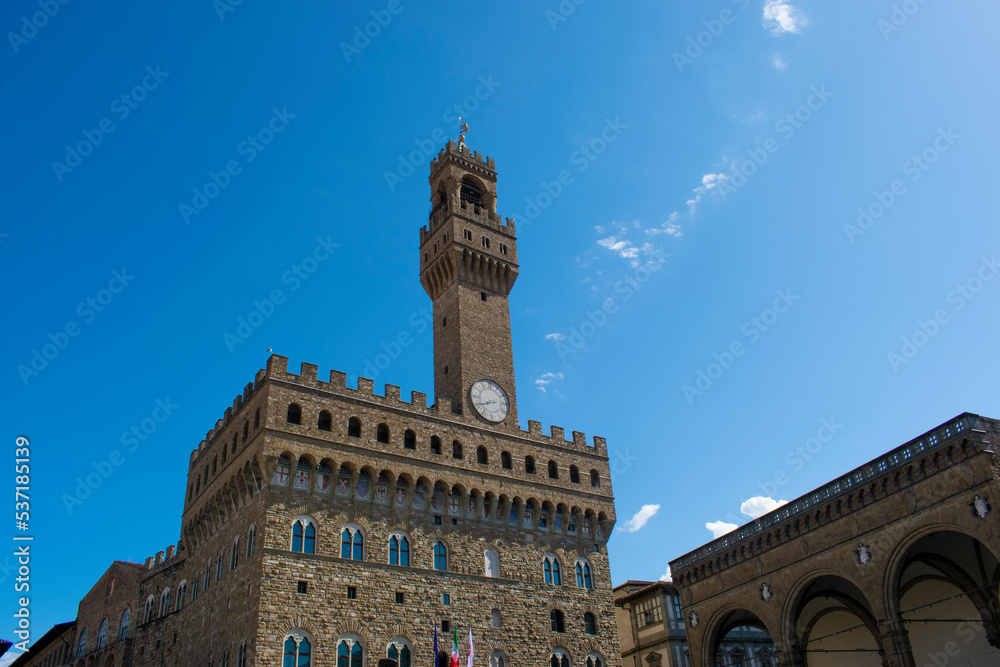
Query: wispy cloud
{"type": "Point", "coordinates": [781, 17]}
{"type": "Point", "coordinates": [667, 576]}
{"type": "Point", "coordinates": [708, 183]}
{"type": "Point", "coordinates": [555, 336]}
{"type": "Point", "coordinates": [720, 528]}
{"type": "Point", "coordinates": [641, 518]}
{"type": "Point", "coordinates": [779, 62]}
{"type": "Point", "coordinates": [669, 227]}
{"type": "Point", "coordinates": [546, 379]}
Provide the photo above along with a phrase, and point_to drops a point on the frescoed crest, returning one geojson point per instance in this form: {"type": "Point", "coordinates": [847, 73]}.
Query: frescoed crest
{"type": "Point", "coordinates": [498, 517]}
{"type": "Point", "coordinates": [382, 494]}
{"type": "Point", "coordinates": [470, 510]}
{"type": "Point", "coordinates": [453, 505]}
{"type": "Point", "coordinates": [302, 480]}
{"type": "Point", "coordinates": [364, 487]}
{"type": "Point", "coordinates": [437, 502]}
{"type": "Point", "coordinates": [529, 516]}
{"type": "Point", "coordinates": [323, 482]}
{"type": "Point", "coordinates": [343, 486]}
{"type": "Point", "coordinates": [280, 475]}
{"type": "Point", "coordinates": [586, 528]}
{"type": "Point", "coordinates": [400, 497]}
{"type": "Point", "coordinates": [599, 532]}
{"type": "Point", "coordinates": [419, 498]}
{"type": "Point", "coordinates": [557, 525]}
{"type": "Point", "coordinates": [513, 516]}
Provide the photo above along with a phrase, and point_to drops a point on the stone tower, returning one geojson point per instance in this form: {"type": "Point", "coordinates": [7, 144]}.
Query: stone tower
{"type": "Point", "coordinates": [326, 524]}
{"type": "Point", "coordinates": [468, 265]}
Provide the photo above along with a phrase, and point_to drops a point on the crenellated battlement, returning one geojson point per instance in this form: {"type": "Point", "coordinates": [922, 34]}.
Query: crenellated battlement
{"type": "Point", "coordinates": [165, 556]}
{"type": "Point", "coordinates": [277, 368]}
{"type": "Point", "coordinates": [461, 154]}
{"type": "Point", "coordinates": [249, 392]}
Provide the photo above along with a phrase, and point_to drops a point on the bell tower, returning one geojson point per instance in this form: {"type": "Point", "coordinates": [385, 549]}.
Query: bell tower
{"type": "Point", "coordinates": [468, 265]}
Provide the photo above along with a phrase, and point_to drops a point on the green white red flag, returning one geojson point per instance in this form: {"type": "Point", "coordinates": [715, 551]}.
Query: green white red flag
{"type": "Point", "coordinates": [454, 648]}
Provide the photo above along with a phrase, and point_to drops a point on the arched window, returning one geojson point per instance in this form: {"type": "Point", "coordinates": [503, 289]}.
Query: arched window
{"type": "Point", "coordinates": [350, 653]}
{"type": "Point", "coordinates": [352, 543]}
{"type": "Point", "coordinates": [241, 656]}
{"type": "Point", "coordinates": [558, 621]}
{"type": "Point", "coordinates": [574, 474]}
{"type": "Point", "coordinates": [251, 538]}
{"type": "Point", "coordinates": [552, 570]}
{"type": "Point", "coordinates": [399, 651]}
{"type": "Point", "coordinates": [256, 419]}
{"type": "Point", "coordinates": [304, 536]}
{"type": "Point", "coordinates": [215, 463]}
{"type": "Point", "coordinates": [164, 603]}
{"type": "Point", "coordinates": [181, 594]}
{"type": "Point", "coordinates": [226, 451]}
{"type": "Point", "coordinates": [491, 566]}
{"type": "Point", "coordinates": [325, 421]}
{"type": "Point", "coordinates": [529, 465]}
{"type": "Point", "coordinates": [583, 579]}
{"type": "Point", "coordinates": [553, 470]}
{"type": "Point", "coordinates": [495, 618]}
{"type": "Point", "coordinates": [595, 478]}
{"type": "Point", "coordinates": [497, 659]}
{"type": "Point", "coordinates": [594, 660]}
{"type": "Point", "coordinates": [559, 658]}
{"type": "Point", "coordinates": [399, 550]}
{"type": "Point", "coordinates": [246, 431]}
{"type": "Point", "coordinates": [589, 623]}
{"type": "Point", "coordinates": [123, 624]}
{"type": "Point", "coordinates": [505, 461]}
{"type": "Point", "coordinates": [294, 414]}
{"type": "Point", "coordinates": [410, 439]}
{"type": "Point", "coordinates": [471, 192]}
{"type": "Point", "coordinates": [456, 450]}
{"type": "Point", "coordinates": [354, 427]}
{"type": "Point", "coordinates": [234, 554]}
{"type": "Point", "coordinates": [102, 634]}
{"type": "Point", "coordinates": [481, 456]}
{"type": "Point", "coordinates": [382, 434]}
{"type": "Point", "coordinates": [435, 445]}
{"type": "Point", "coordinates": [297, 651]}
{"type": "Point", "coordinates": [81, 646]}
{"type": "Point", "coordinates": [440, 557]}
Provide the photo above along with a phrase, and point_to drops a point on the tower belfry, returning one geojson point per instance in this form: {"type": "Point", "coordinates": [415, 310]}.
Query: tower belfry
{"type": "Point", "coordinates": [468, 265]}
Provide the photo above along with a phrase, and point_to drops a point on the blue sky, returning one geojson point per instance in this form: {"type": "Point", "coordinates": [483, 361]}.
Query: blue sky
{"type": "Point", "coordinates": [740, 222]}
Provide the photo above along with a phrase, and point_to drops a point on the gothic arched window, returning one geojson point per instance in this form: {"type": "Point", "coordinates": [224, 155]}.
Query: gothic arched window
{"type": "Point", "coordinates": [304, 536]}
{"type": "Point", "coordinates": [297, 651]}
{"type": "Point", "coordinates": [552, 570]}
{"type": "Point", "coordinates": [354, 427]}
{"type": "Point", "coordinates": [352, 543]}
{"type": "Point", "coordinates": [399, 550]}
{"type": "Point", "coordinates": [294, 414]}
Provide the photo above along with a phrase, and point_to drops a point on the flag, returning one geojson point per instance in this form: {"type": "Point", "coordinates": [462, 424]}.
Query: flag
{"type": "Point", "coordinates": [435, 645]}
{"type": "Point", "coordinates": [471, 653]}
{"type": "Point", "coordinates": [454, 648]}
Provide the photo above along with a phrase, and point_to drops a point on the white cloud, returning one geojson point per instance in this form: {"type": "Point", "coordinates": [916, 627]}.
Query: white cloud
{"type": "Point", "coordinates": [669, 227]}
{"type": "Point", "coordinates": [779, 62]}
{"type": "Point", "coordinates": [622, 247]}
{"type": "Point", "coordinates": [720, 528]}
{"type": "Point", "coordinates": [758, 506]}
{"type": "Point", "coordinates": [555, 336]}
{"type": "Point", "coordinates": [781, 17]}
{"type": "Point", "coordinates": [667, 576]}
{"type": "Point", "coordinates": [636, 523]}
{"type": "Point", "coordinates": [548, 378]}
{"type": "Point", "coordinates": [708, 183]}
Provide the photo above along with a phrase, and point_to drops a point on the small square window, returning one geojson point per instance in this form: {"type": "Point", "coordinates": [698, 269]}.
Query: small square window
{"type": "Point", "coordinates": [303, 587]}
{"type": "Point", "coordinates": [446, 598]}
{"type": "Point", "coordinates": [482, 295]}
{"type": "Point", "coordinates": [399, 598]}
{"type": "Point", "coordinates": [454, 522]}
{"type": "Point", "coordinates": [352, 593]}
{"type": "Point", "coordinates": [437, 521]}
{"type": "Point", "coordinates": [445, 626]}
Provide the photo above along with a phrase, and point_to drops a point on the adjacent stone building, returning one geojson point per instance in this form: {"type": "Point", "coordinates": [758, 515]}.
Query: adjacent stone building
{"type": "Point", "coordinates": [894, 563]}
{"type": "Point", "coordinates": [327, 525]}
{"type": "Point", "coordinates": [651, 631]}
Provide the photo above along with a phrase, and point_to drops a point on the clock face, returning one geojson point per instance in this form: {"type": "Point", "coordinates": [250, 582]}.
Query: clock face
{"type": "Point", "coordinates": [489, 400]}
